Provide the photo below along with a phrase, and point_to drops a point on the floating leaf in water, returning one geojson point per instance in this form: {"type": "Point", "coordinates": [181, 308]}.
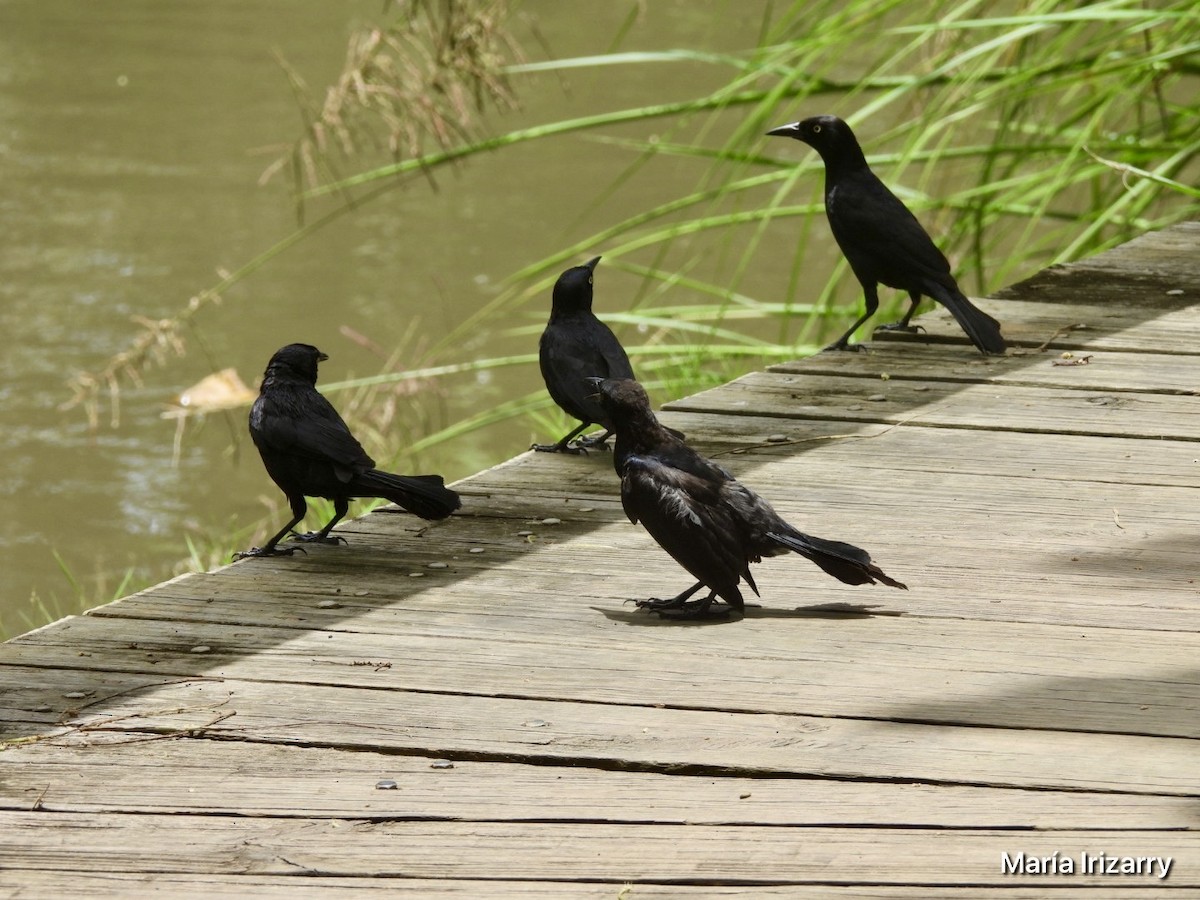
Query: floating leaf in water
{"type": "Point", "coordinates": [221, 390]}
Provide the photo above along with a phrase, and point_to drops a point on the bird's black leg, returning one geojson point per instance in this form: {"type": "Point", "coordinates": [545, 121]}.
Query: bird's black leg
{"type": "Point", "coordinates": [562, 446]}
{"type": "Point", "coordinates": [678, 608]}
{"type": "Point", "coordinates": [340, 507]}
{"type": "Point", "coordinates": [903, 324]}
{"type": "Point", "coordinates": [871, 295]}
{"type": "Point", "coordinates": [299, 508]}
{"type": "Point", "coordinates": [596, 441]}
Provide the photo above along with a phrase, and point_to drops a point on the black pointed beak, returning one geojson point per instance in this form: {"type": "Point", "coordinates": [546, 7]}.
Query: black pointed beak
{"type": "Point", "coordinates": [321, 357]}
{"type": "Point", "coordinates": [595, 381]}
{"type": "Point", "coordinates": [591, 263]}
{"type": "Point", "coordinates": [785, 130]}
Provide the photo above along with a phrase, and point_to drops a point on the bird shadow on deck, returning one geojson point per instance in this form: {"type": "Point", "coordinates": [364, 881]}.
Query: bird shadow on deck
{"type": "Point", "coordinates": [753, 610]}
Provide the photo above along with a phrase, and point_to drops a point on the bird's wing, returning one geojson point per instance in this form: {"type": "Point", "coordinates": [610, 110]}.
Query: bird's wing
{"type": "Point", "coordinates": [306, 425]}
{"type": "Point", "coordinates": [686, 516]}
{"type": "Point", "coordinates": [678, 455]}
{"type": "Point", "coordinates": [879, 234]}
{"type": "Point", "coordinates": [616, 360]}
{"type": "Point", "coordinates": [571, 353]}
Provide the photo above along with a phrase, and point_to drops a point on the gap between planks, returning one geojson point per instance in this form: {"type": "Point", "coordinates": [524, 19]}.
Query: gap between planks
{"type": "Point", "coordinates": [106, 772]}
{"type": "Point", "coordinates": [662, 854]}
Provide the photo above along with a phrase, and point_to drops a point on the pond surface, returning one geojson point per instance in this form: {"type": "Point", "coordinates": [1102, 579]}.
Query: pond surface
{"type": "Point", "coordinates": [132, 138]}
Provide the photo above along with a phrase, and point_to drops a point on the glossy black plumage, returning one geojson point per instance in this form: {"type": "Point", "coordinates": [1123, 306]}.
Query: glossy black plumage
{"type": "Point", "coordinates": [708, 521]}
{"type": "Point", "coordinates": [308, 451]}
{"type": "Point", "coordinates": [575, 346]}
{"type": "Point", "coordinates": [882, 240]}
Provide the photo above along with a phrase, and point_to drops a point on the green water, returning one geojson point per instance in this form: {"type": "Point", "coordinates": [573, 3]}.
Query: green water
{"type": "Point", "coordinates": [132, 138]}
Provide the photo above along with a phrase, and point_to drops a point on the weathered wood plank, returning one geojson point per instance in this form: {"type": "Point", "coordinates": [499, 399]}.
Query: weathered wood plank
{"type": "Point", "coordinates": [651, 738]}
{"type": "Point", "coordinates": [952, 405]}
{"type": "Point", "coordinates": [33, 702]}
{"type": "Point", "coordinates": [133, 886]}
{"type": "Point", "coordinates": [1143, 269]}
{"type": "Point", "coordinates": [618, 854]}
{"type": "Point", "coordinates": [1133, 325]}
{"type": "Point", "coordinates": [107, 772]}
{"type": "Point", "coordinates": [732, 438]}
{"type": "Point", "coordinates": [1133, 297]}
{"type": "Point", "coordinates": [867, 667]}
{"type": "Point", "coordinates": [1166, 254]}
{"type": "Point", "coordinates": [1102, 371]}
{"type": "Point", "coordinates": [1141, 582]}
{"type": "Point", "coordinates": [962, 587]}
{"type": "Point", "coordinates": [1060, 521]}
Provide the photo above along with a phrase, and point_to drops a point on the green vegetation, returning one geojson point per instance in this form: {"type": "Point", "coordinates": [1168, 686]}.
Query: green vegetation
{"type": "Point", "coordinates": [1021, 133]}
{"type": "Point", "coordinates": [101, 588]}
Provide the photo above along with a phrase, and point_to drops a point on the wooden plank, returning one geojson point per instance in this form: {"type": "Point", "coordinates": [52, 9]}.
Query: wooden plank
{"type": "Point", "coordinates": [1149, 265]}
{"type": "Point", "coordinates": [1132, 587]}
{"type": "Point", "coordinates": [1133, 297]}
{"type": "Point", "coordinates": [1083, 370]}
{"type": "Point", "coordinates": [617, 854]}
{"type": "Point", "coordinates": [658, 739]}
{"type": "Point", "coordinates": [134, 886]}
{"type": "Point", "coordinates": [106, 772]}
{"type": "Point", "coordinates": [1060, 517]}
{"type": "Point", "coordinates": [952, 405]}
{"type": "Point", "coordinates": [33, 703]}
{"type": "Point", "coordinates": [595, 583]}
{"type": "Point", "coordinates": [1132, 323]}
{"type": "Point", "coordinates": [586, 491]}
{"type": "Point", "coordinates": [865, 667]}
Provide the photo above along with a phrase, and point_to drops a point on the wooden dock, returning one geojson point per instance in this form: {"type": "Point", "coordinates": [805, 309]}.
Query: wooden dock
{"type": "Point", "coordinates": [472, 709]}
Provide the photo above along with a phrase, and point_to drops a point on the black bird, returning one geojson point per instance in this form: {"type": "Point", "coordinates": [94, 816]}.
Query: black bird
{"type": "Point", "coordinates": [308, 450]}
{"type": "Point", "coordinates": [882, 240]}
{"type": "Point", "coordinates": [575, 346]}
{"type": "Point", "coordinates": [711, 524]}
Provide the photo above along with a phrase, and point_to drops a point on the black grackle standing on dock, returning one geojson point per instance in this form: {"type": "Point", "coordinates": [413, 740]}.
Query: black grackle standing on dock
{"type": "Point", "coordinates": [309, 451]}
{"type": "Point", "coordinates": [709, 522]}
{"type": "Point", "coordinates": [575, 346]}
{"type": "Point", "coordinates": [882, 240]}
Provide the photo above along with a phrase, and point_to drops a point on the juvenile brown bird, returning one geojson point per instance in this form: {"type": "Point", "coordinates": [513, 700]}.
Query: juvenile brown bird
{"type": "Point", "coordinates": [710, 523]}
{"type": "Point", "coordinates": [882, 240]}
{"type": "Point", "coordinates": [308, 451]}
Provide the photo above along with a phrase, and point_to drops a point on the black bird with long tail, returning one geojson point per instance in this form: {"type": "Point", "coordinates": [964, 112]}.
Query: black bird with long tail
{"type": "Point", "coordinates": [308, 451]}
{"type": "Point", "coordinates": [708, 521]}
{"type": "Point", "coordinates": [882, 240]}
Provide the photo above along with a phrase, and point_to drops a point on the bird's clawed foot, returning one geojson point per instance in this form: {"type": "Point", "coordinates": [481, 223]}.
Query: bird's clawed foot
{"type": "Point", "coordinates": [901, 326]}
{"type": "Point", "coordinates": [845, 346]}
{"type": "Point", "coordinates": [267, 551]}
{"type": "Point", "coordinates": [682, 608]}
{"type": "Point", "coordinates": [597, 442]}
{"type": "Point", "coordinates": [558, 448]}
{"type": "Point", "coordinates": [317, 537]}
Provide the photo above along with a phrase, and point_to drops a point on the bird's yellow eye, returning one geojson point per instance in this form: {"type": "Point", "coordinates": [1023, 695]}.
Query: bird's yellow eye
{"type": "Point", "coordinates": [816, 129]}
{"type": "Point", "coordinates": [589, 279]}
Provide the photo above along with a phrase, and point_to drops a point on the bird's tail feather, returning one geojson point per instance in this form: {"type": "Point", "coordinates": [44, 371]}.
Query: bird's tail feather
{"type": "Point", "coordinates": [425, 495]}
{"type": "Point", "coordinates": [982, 329]}
{"type": "Point", "coordinates": [845, 562]}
